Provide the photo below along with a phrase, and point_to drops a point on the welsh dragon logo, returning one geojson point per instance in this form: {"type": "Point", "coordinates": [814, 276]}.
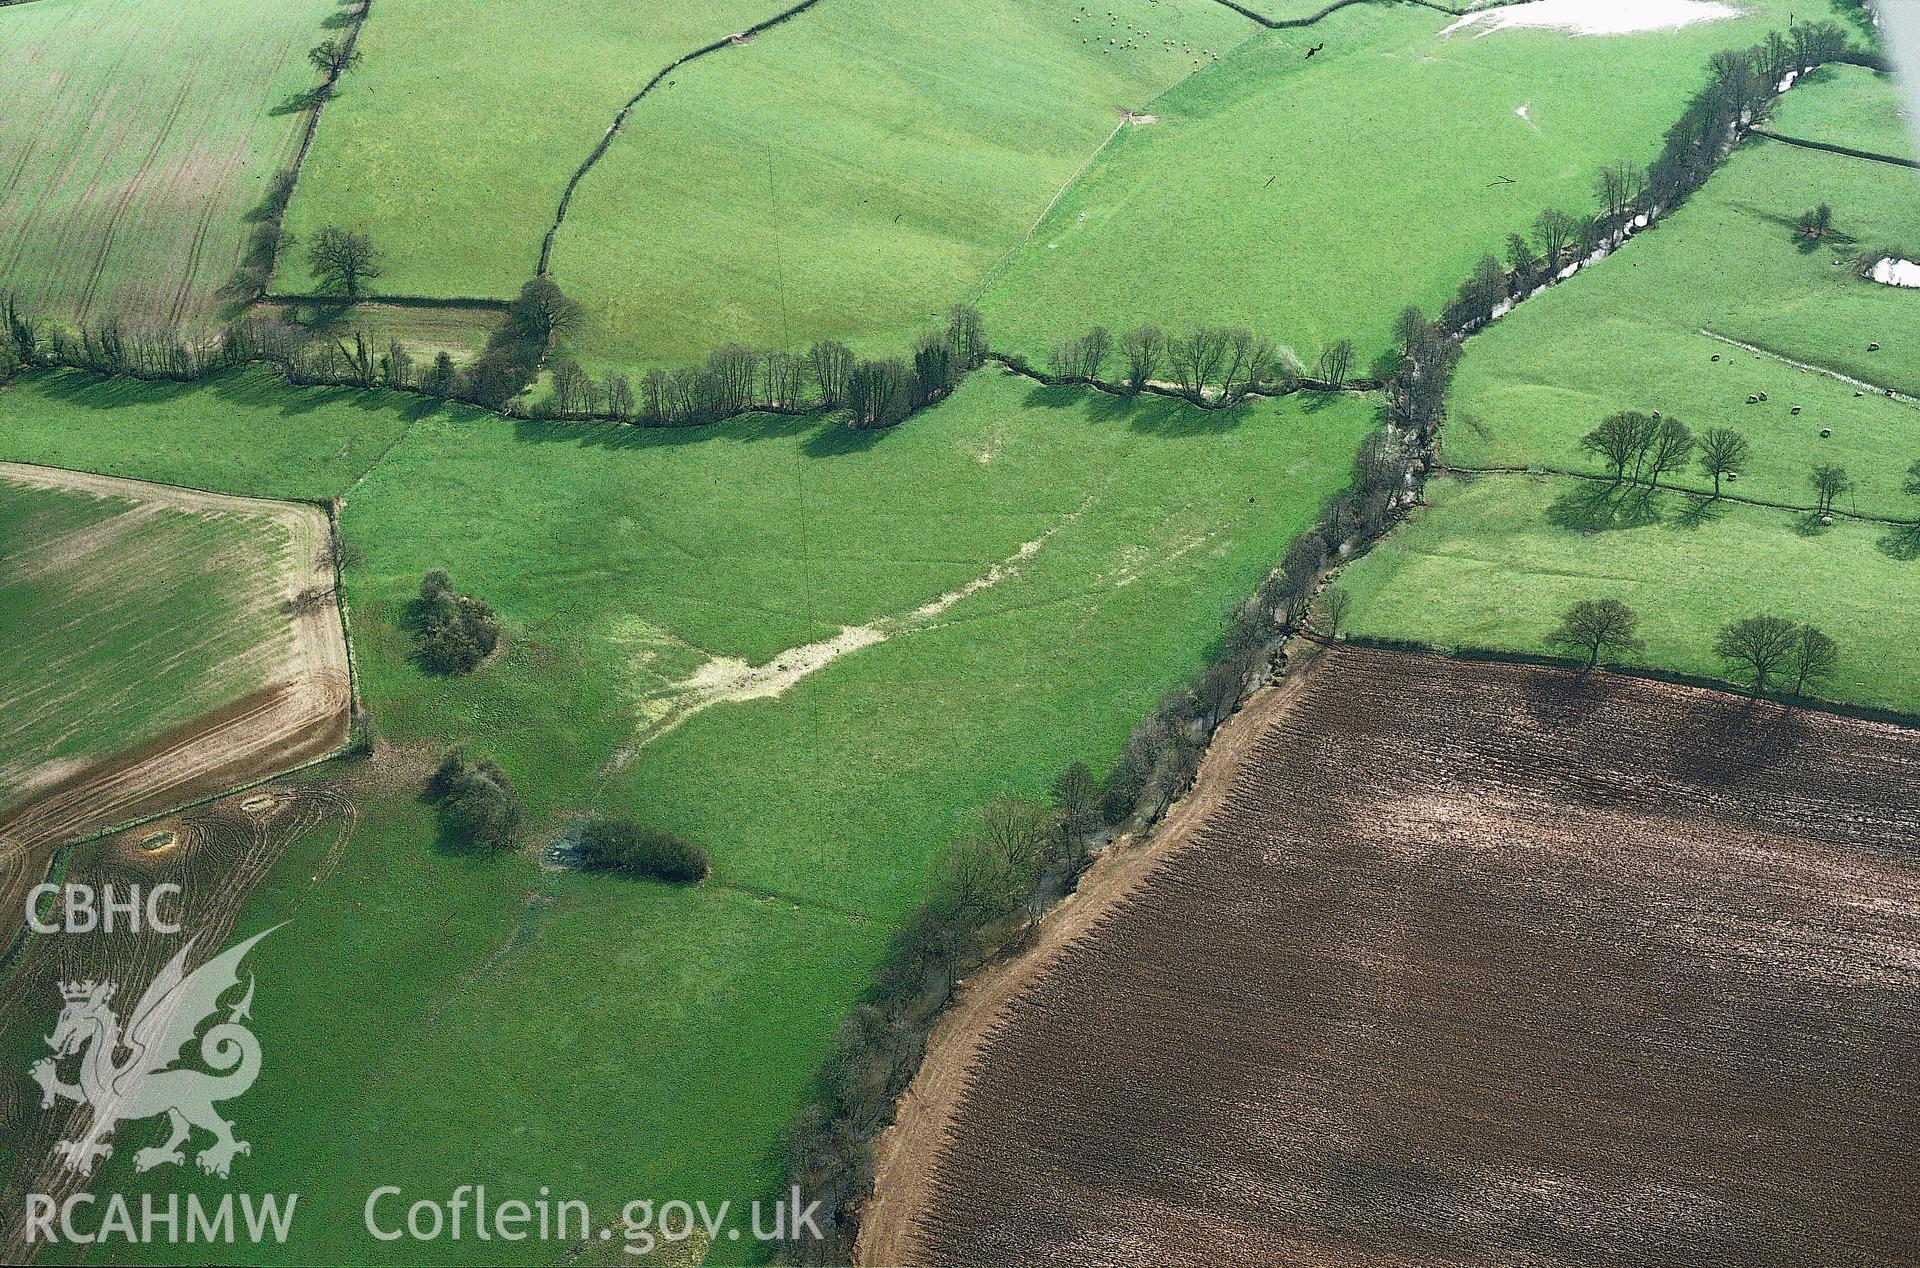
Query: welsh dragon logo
{"type": "Point", "coordinates": [148, 1082]}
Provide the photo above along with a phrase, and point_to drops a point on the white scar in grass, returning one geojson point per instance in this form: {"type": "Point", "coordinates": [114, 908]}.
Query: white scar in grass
{"type": "Point", "coordinates": [726, 679]}
{"type": "Point", "coordinates": [1596, 17]}
{"type": "Point", "coordinates": [1892, 272]}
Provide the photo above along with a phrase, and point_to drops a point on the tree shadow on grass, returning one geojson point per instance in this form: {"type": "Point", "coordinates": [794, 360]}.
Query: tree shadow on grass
{"type": "Point", "coordinates": [257, 390]}
{"type": "Point", "coordinates": [253, 389]}
{"type": "Point", "coordinates": [1901, 543]}
{"type": "Point", "coordinates": [744, 429]}
{"type": "Point", "coordinates": [1149, 413]}
{"type": "Point", "coordinates": [1594, 507]}
{"type": "Point", "coordinates": [1810, 525]}
{"type": "Point", "coordinates": [107, 392]}
{"type": "Point", "coordinates": [298, 103]}
{"type": "Point", "coordinates": [835, 440]}
{"type": "Point", "coordinates": [1699, 513]}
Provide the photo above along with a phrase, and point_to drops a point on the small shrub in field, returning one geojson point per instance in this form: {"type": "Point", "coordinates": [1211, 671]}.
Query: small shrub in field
{"type": "Point", "coordinates": [476, 802]}
{"type": "Point", "coordinates": [616, 845]}
{"type": "Point", "coordinates": [452, 632]}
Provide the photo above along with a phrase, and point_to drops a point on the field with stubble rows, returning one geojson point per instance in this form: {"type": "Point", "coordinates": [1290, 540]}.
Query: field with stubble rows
{"type": "Point", "coordinates": [1476, 964]}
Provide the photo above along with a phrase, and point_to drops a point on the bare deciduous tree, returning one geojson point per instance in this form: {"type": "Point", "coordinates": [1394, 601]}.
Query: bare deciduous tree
{"type": "Point", "coordinates": [1723, 451]}
{"type": "Point", "coordinates": [1755, 649]}
{"type": "Point", "coordinates": [1672, 444]}
{"type": "Point", "coordinates": [1811, 659]}
{"type": "Point", "coordinates": [1829, 483]}
{"type": "Point", "coordinates": [342, 262]}
{"type": "Point", "coordinates": [1596, 628]}
{"type": "Point", "coordinates": [1336, 359]}
{"type": "Point", "coordinates": [1143, 348]}
{"type": "Point", "coordinates": [1554, 230]}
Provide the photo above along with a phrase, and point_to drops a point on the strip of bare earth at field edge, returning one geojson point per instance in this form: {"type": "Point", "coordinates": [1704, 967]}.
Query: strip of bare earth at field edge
{"type": "Point", "coordinates": [302, 714]}
{"type": "Point", "coordinates": [904, 1152]}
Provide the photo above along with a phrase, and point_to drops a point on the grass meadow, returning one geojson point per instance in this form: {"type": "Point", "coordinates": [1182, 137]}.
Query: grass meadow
{"type": "Point", "coordinates": [819, 183]}
{"type": "Point", "coordinates": [1852, 106]}
{"type": "Point", "coordinates": [617, 1039]}
{"type": "Point", "coordinates": [451, 141]}
{"type": "Point", "coordinates": [1495, 560]}
{"type": "Point", "coordinates": [122, 621]}
{"type": "Point", "coordinates": [1311, 200]}
{"type": "Point", "coordinates": [241, 433]}
{"type": "Point", "coordinates": [138, 136]}
{"type": "Point", "coordinates": [1627, 335]}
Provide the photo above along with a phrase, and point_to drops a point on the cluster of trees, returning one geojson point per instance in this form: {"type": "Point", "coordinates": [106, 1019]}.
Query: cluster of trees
{"type": "Point", "coordinates": [477, 805]}
{"type": "Point", "coordinates": [1765, 651]}
{"type": "Point", "coordinates": [1761, 651]}
{"type": "Point", "coordinates": [1417, 390]}
{"type": "Point", "coordinates": [619, 845]}
{"type": "Point", "coordinates": [112, 347]}
{"type": "Point", "coordinates": [991, 886]}
{"type": "Point", "coordinates": [735, 379]}
{"type": "Point", "coordinates": [452, 633]}
{"type": "Point", "coordinates": [1638, 446]}
{"type": "Point", "coordinates": [537, 317]}
{"type": "Point", "coordinates": [1816, 223]}
{"type": "Point", "coordinates": [1210, 366]}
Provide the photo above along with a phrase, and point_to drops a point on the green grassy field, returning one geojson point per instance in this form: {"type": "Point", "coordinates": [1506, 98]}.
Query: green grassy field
{"type": "Point", "coordinates": [121, 621]}
{"type": "Point", "coordinates": [1312, 200]}
{"type": "Point", "coordinates": [633, 1041]}
{"type": "Point", "coordinates": [451, 141]}
{"type": "Point", "coordinates": [1851, 106]}
{"type": "Point", "coordinates": [138, 135]}
{"type": "Point", "coordinates": [1495, 560]}
{"type": "Point", "coordinates": [1626, 334]}
{"type": "Point", "coordinates": [241, 433]}
{"type": "Point", "coordinates": [817, 183]}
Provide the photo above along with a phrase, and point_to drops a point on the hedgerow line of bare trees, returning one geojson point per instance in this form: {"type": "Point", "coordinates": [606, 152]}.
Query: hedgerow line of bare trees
{"type": "Point", "coordinates": [877, 1050]}
{"type": "Point", "coordinates": [332, 57]}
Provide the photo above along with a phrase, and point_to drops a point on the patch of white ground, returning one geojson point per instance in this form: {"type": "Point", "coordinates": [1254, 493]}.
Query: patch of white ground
{"type": "Point", "coordinates": [1595, 17]}
{"type": "Point", "coordinates": [301, 714]}
{"type": "Point", "coordinates": [1892, 272]}
{"type": "Point", "coordinates": [726, 679]}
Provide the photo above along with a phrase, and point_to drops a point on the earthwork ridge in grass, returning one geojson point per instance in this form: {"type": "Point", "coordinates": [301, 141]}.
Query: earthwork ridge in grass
{"type": "Point", "coordinates": [613, 130]}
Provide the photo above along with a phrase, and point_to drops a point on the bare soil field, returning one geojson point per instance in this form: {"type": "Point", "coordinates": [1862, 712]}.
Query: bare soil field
{"type": "Point", "coordinates": [1457, 964]}
{"type": "Point", "coordinates": [300, 711]}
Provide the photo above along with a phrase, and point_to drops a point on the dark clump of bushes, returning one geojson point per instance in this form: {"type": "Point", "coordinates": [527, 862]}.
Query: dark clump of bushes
{"type": "Point", "coordinates": [618, 845]}
{"type": "Point", "coordinates": [452, 633]}
{"type": "Point", "coordinates": [478, 807]}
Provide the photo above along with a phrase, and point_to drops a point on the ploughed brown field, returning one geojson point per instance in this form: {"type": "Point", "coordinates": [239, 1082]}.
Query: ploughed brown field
{"type": "Point", "coordinates": [1477, 964]}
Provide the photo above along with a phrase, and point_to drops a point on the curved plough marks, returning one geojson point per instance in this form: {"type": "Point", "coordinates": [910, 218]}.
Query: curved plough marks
{"type": "Point", "coordinates": [217, 854]}
{"type": "Point", "coordinates": [301, 714]}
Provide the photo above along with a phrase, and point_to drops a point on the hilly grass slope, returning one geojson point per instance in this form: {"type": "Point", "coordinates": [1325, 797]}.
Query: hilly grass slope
{"type": "Point", "coordinates": [1313, 199]}
{"type": "Point", "coordinates": [851, 173]}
